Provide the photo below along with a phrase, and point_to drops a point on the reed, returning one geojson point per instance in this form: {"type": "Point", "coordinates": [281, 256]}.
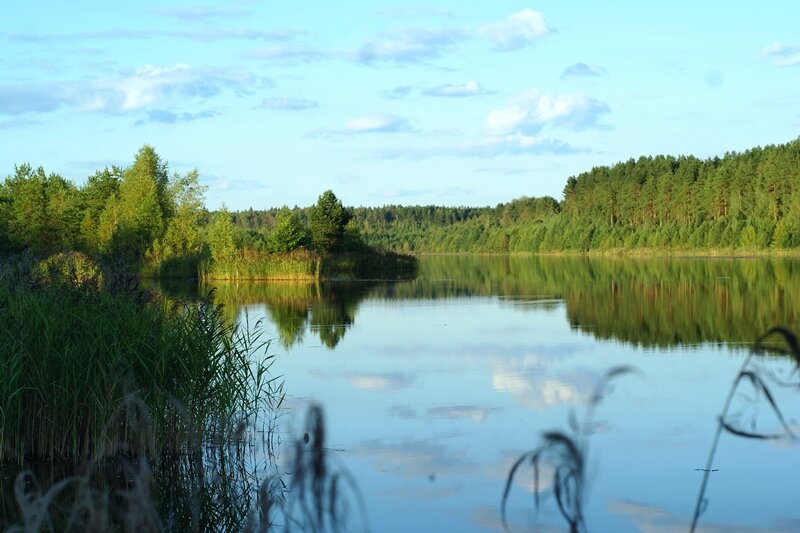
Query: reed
{"type": "Point", "coordinates": [320, 495]}
{"type": "Point", "coordinates": [298, 265]}
{"type": "Point", "coordinates": [567, 454]}
{"type": "Point", "coordinates": [75, 355]}
{"type": "Point", "coordinates": [759, 382]}
{"type": "Point", "coordinates": [304, 265]}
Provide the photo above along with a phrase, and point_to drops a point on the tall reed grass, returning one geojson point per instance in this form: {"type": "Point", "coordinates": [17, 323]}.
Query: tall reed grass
{"type": "Point", "coordinates": [76, 355]}
{"type": "Point", "coordinates": [566, 453]}
{"type": "Point", "coordinates": [305, 265]}
{"type": "Point", "coordinates": [760, 384]}
{"type": "Point", "coordinates": [298, 265]}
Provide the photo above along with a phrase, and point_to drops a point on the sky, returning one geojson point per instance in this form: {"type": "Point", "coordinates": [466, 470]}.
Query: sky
{"type": "Point", "coordinates": [447, 103]}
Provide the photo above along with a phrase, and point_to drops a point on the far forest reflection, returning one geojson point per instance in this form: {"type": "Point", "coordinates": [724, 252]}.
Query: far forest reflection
{"type": "Point", "coordinates": [664, 302]}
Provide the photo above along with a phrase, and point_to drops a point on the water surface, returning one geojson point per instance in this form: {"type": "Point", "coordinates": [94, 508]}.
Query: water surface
{"type": "Point", "coordinates": [432, 388]}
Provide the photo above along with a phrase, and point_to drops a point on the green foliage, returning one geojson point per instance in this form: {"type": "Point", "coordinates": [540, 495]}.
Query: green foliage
{"type": "Point", "coordinates": [72, 382]}
{"type": "Point", "coordinates": [140, 208]}
{"type": "Point", "coordinates": [39, 210]}
{"type": "Point", "coordinates": [94, 197]}
{"type": "Point", "coordinates": [255, 265]}
{"type": "Point", "coordinates": [289, 232]}
{"type": "Point", "coordinates": [179, 251]}
{"type": "Point", "coordinates": [220, 237]}
{"type": "Point", "coordinates": [743, 201]}
{"type": "Point", "coordinates": [68, 268]}
{"type": "Point", "coordinates": [326, 222]}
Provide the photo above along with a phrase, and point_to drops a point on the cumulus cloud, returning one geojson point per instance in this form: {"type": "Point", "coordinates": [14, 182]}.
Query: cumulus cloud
{"type": "Point", "coordinates": [582, 70]}
{"type": "Point", "coordinates": [148, 87]}
{"type": "Point", "coordinates": [470, 88]}
{"type": "Point", "coordinates": [519, 30]}
{"type": "Point", "coordinates": [529, 112]}
{"type": "Point", "coordinates": [398, 92]}
{"type": "Point", "coordinates": [163, 116]}
{"type": "Point", "coordinates": [408, 45]}
{"type": "Point", "coordinates": [288, 104]}
{"type": "Point", "coordinates": [288, 54]}
{"type": "Point", "coordinates": [377, 124]}
{"type": "Point", "coordinates": [539, 392]}
{"type": "Point", "coordinates": [782, 55]}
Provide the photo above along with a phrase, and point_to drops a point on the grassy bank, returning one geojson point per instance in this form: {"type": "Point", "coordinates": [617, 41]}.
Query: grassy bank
{"type": "Point", "coordinates": [303, 265]}
{"type": "Point", "coordinates": [94, 367]}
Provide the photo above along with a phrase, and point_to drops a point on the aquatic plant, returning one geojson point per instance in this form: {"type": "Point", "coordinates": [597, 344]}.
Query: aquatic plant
{"type": "Point", "coordinates": [759, 382]}
{"type": "Point", "coordinates": [320, 495]}
{"type": "Point", "coordinates": [74, 354]}
{"type": "Point", "coordinates": [567, 454]}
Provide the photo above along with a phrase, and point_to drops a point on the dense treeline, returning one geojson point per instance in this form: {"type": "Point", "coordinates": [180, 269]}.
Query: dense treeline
{"type": "Point", "coordinates": [143, 218]}
{"type": "Point", "coordinates": [742, 201]}
{"type": "Point", "coordinates": [134, 215]}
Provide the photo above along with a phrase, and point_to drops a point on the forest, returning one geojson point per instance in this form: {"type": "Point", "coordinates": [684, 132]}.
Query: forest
{"type": "Point", "coordinates": [741, 202]}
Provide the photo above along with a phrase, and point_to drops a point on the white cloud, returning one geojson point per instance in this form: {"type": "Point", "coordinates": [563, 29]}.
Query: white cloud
{"type": "Point", "coordinates": [290, 54]}
{"type": "Point", "coordinates": [377, 124]}
{"type": "Point", "coordinates": [288, 104]}
{"type": "Point", "coordinates": [488, 147]}
{"type": "Point", "coordinates": [583, 70]}
{"type": "Point", "coordinates": [455, 412]}
{"type": "Point", "coordinates": [470, 88]}
{"type": "Point", "coordinates": [538, 392]}
{"type": "Point", "coordinates": [408, 45]}
{"type": "Point", "coordinates": [398, 92]}
{"type": "Point", "coordinates": [201, 13]}
{"type": "Point", "coordinates": [149, 87]}
{"type": "Point", "coordinates": [530, 111]}
{"type": "Point", "coordinates": [163, 116]}
{"type": "Point", "coordinates": [782, 55]}
{"type": "Point", "coordinates": [379, 381]}
{"type": "Point", "coordinates": [520, 29]}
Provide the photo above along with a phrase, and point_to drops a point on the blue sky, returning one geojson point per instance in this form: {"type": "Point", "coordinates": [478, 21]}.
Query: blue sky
{"type": "Point", "coordinates": [450, 103]}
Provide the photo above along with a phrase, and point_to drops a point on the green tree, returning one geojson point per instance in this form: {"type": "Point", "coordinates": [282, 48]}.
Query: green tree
{"type": "Point", "coordinates": [93, 199]}
{"type": "Point", "coordinates": [141, 212]}
{"type": "Point", "coordinates": [40, 210]}
{"type": "Point", "coordinates": [327, 220]}
{"type": "Point", "coordinates": [182, 236]}
{"type": "Point", "coordinates": [289, 232]}
{"type": "Point", "coordinates": [220, 237]}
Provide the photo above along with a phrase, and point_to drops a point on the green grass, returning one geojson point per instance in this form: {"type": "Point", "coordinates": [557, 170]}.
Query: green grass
{"type": "Point", "coordinates": [304, 265]}
{"type": "Point", "coordinates": [92, 370]}
{"type": "Point", "coordinates": [299, 265]}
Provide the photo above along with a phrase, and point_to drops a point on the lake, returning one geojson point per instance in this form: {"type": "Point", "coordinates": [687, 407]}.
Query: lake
{"type": "Point", "coordinates": [432, 388]}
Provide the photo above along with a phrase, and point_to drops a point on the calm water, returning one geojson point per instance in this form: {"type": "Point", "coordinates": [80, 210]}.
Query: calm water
{"type": "Point", "coordinates": [432, 388]}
